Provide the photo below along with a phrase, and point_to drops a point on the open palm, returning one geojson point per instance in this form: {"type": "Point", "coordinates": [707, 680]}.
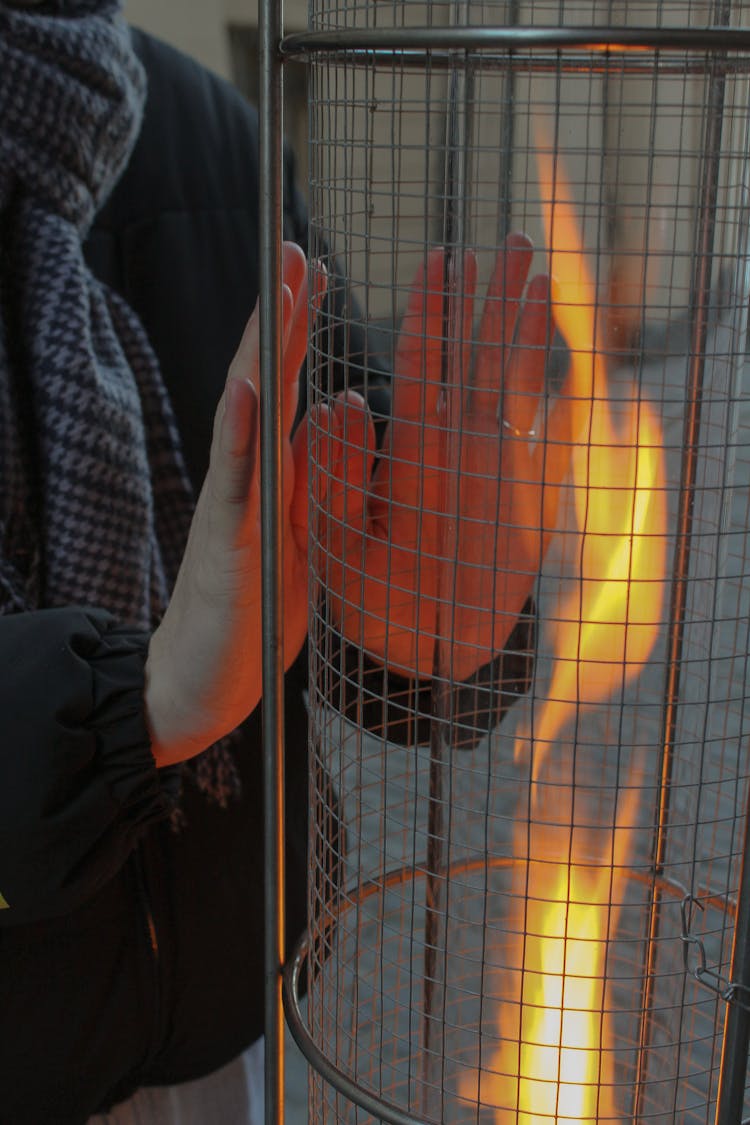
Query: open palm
{"type": "Point", "coordinates": [443, 540]}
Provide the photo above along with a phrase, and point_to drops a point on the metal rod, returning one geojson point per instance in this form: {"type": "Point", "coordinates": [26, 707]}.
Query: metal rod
{"type": "Point", "coordinates": [736, 1041]}
{"type": "Point", "coordinates": [379, 1108]}
{"type": "Point", "coordinates": [509, 133]}
{"type": "Point", "coordinates": [736, 1044]}
{"type": "Point", "coordinates": [455, 238]}
{"type": "Point", "coordinates": [270, 220]}
{"type": "Point", "coordinates": [645, 63]}
{"type": "Point", "coordinates": [699, 313]}
{"type": "Point", "coordinates": [434, 922]}
{"type": "Point", "coordinates": [701, 40]}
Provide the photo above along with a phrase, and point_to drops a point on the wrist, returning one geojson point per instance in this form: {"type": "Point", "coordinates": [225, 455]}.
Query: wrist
{"type": "Point", "coordinates": [166, 711]}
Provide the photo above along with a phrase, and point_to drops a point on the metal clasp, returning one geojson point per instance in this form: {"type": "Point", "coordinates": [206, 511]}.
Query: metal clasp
{"type": "Point", "coordinates": [729, 991]}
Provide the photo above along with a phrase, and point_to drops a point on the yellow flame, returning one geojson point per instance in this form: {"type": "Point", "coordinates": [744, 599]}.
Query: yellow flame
{"type": "Point", "coordinates": [557, 1065]}
{"type": "Point", "coordinates": [554, 1063]}
{"type": "Point", "coordinates": [562, 1074]}
{"type": "Point", "coordinates": [607, 626]}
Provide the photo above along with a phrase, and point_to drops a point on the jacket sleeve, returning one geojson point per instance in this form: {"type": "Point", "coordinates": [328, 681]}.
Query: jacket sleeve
{"type": "Point", "coordinates": [405, 712]}
{"type": "Point", "coordinates": [78, 782]}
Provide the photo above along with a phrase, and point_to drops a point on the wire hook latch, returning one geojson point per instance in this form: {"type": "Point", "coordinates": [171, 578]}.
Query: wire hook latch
{"type": "Point", "coordinates": [730, 991]}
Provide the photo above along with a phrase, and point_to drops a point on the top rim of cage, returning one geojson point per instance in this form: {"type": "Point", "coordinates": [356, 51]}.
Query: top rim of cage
{"type": "Point", "coordinates": [456, 46]}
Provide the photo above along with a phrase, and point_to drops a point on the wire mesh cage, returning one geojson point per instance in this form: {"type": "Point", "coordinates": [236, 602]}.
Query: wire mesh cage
{"type": "Point", "coordinates": [537, 732]}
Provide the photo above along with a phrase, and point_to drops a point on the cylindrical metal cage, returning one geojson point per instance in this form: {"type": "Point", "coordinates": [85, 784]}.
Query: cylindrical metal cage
{"type": "Point", "coordinates": [529, 748]}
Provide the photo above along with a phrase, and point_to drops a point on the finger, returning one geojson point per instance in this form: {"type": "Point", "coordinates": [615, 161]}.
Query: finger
{"type": "Point", "coordinates": [295, 351]}
{"type": "Point", "coordinates": [551, 458]}
{"type": "Point", "coordinates": [245, 362]}
{"type": "Point", "coordinates": [296, 278]}
{"type": "Point", "coordinates": [299, 518]}
{"type": "Point", "coordinates": [233, 472]}
{"type": "Point", "coordinates": [293, 267]}
{"type": "Point", "coordinates": [326, 470]}
{"type": "Point", "coordinates": [498, 323]}
{"type": "Point", "coordinates": [419, 351]}
{"type": "Point", "coordinates": [318, 284]}
{"type": "Point", "coordinates": [311, 475]}
{"type": "Point", "coordinates": [294, 273]}
{"type": "Point", "coordinates": [437, 305]}
{"type": "Point", "coordinates": [462, 284]}
{"type": "Point", "coordinates": [549, 465]}
{"type": "Point", "coordinates": [351, 472]}
{"type": "Point", "coordinates": [523, 381]}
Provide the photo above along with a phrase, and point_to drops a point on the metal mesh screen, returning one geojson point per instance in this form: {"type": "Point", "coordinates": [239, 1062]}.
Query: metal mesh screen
{"type": "Point", "coordinates": [535, 738]}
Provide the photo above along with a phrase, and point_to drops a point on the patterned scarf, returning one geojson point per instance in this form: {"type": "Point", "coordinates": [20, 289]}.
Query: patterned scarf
{"type": "Point", "coordinates": [94, 498]}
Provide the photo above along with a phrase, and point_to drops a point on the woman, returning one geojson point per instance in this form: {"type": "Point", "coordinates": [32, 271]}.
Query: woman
{"type": "Point", "coordinates": [131, 858]}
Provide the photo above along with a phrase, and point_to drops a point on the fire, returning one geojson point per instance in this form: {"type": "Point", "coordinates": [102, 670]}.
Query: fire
{"type": "Point", "coordinates": [554, 1063]}
{"type": "Point", "coordinates": [607, 626]}
{"type": "Point", "coordinates": [561, 1073]}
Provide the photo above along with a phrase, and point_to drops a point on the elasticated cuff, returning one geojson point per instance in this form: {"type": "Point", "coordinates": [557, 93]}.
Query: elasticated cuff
{"type": "Point", "coordinates": [78, 781]}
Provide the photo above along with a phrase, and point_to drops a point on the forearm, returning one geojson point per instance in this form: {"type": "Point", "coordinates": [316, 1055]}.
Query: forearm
{"type": "Point", "coordinates": [190, 700]}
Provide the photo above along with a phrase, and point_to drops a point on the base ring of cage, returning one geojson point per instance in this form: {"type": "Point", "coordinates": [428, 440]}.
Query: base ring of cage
{"type": "Point", "coordinates": [380, 1108]}
{"type": "Point", "coordinates": [371, 1103]}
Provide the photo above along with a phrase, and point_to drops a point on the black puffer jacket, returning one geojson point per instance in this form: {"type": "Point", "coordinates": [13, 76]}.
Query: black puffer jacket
{"type": "Point", "coordinates": [131, 954]}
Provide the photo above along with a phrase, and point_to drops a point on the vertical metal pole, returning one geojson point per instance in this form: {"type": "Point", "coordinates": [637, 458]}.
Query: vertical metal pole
{"type": "Point", "coordinates": [736, 1044]}
{"type": "Point", "coordinates": [509, 134]}
{"type": "Point", "coordinates": [455, 236]}
{"type": "Point", "coordinates": [699, 314]}
{"type": "Point", "coordinates": [270, 220]}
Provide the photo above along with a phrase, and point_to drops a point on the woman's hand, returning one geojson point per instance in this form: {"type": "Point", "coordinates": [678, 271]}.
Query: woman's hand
{"type": "Point", "coordinates": [445, 539]}
{"type": "Point", "coordinates": [203, 671]}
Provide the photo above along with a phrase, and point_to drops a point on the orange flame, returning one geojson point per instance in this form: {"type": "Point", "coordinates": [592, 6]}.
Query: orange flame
{"type": "Point", "coordinates": [562, 1074]}
{"type": "Point", "coordinates": [607, 626]}
{"type": "Point", "coordinates": [556, 1072]}
{"type": "Point", "coordinates": [559, 1066]}
{"type": "Point", "coordinates": [554, 1063]}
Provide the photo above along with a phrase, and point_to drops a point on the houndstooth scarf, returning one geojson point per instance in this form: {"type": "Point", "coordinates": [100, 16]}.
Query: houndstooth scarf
{"type": "Point", "coordinates": [94, 499]}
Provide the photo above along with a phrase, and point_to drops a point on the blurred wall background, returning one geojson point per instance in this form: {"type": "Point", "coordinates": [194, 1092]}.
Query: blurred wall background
{"type": "Point", "coordinates": [203, 29]}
